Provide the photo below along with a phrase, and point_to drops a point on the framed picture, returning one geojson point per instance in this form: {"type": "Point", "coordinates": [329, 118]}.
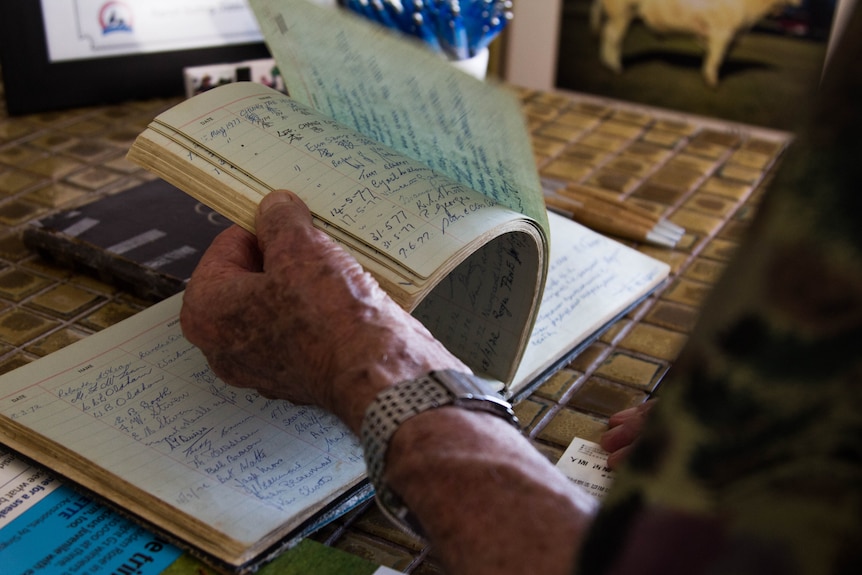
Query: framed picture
{"type": "Point", "coordinates": [58, 54]}
{"type": "Point", "coordinates": [764, 76]}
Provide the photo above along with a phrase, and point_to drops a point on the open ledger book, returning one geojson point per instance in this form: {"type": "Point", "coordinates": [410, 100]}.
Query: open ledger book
{"type": "Point", "coordinates": [426, 176]}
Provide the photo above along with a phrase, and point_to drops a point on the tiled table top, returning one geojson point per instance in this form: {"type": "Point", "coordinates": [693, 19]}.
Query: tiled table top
{"type": "Point", "coordinates": [703, 174]}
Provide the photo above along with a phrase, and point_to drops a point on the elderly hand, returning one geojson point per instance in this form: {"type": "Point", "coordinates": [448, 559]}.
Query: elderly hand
{"type": "Point", "coordinates": [290, 313]}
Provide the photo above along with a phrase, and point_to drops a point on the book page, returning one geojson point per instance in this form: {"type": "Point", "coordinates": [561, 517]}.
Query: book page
{"type": "Point", "coordinates": [394, 205]}
{"type": "Point", "coordinates": [144, 421]}
{"type": "Point", "coordinates": [591, 280]}
{"type": "Point", "coordinates": [398, 92]}
{"type": "Point", "coordinates": [481, 311]}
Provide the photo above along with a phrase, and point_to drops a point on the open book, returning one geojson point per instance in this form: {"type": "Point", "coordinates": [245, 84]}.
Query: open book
{"type": "Point", "coordinates": [469, 267]}
{"type": "Point", "coordinates": [426, 176]}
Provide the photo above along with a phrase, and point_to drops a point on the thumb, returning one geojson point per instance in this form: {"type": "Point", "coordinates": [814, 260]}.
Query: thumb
{"type": "Point", "coordinates": [280, 213]}
{"type": "Point", "coordinates": [279, 205]}
{"type": "Point", "coordinates": [283, 226]}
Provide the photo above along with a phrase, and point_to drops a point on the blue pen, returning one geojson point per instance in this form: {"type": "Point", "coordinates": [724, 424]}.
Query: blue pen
{"type": "Point", "coordinates": [458, 31]}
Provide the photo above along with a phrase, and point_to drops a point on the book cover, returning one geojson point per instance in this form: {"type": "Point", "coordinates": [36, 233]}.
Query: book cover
{"type": "Point", "coordinates": [146, 240]}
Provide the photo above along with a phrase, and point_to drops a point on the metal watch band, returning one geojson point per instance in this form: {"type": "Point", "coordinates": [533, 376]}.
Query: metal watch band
{"type": "Point", "coordinates": [396, 404]}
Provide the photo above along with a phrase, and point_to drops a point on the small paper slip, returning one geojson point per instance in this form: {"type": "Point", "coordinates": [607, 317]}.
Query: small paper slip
{"type": "Point", "coordinates": [586, 464]}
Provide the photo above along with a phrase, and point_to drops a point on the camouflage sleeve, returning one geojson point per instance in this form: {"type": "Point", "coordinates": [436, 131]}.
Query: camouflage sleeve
{"type": "Point", "coordinates": [752, 461]}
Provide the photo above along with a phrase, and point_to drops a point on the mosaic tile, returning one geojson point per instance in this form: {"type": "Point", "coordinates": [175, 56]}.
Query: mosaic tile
{"type": "Point", "coordinates": [91, 151]}
{"type": "Point", "coordinates": [760, 146]}
{"type": "Point", "coordinates": [733, 189]}
{"type": "Point", "coordinates": [47, 268]}
{"type": "Point", "coordinates": [558, 132]}
{"type": "Point", "coordinates": [54, 167]}
{"type": "Point", "coordinates": [94, 284]}
{"type": "Point", "coordinates": [720, 249]}
{"type": "Point", "coordinates": [655, 341]}
{"type": "Point", "coordinates": [14, 181]}
{"type": "Point", "coordinates": [18, 326]}
{"type": "Point", "coordinates": [55, 341]}
{"type": "Point", "coordinates": [17, 284]}
{"type": "Point", "coordinates": [12, 247]}
{"type": "Point", "coordinates": [704, 270]}
{"type": "Point", "coordinates": [689, 241]}
{"type": "Point", "coordinates": [566, 169]}
{"type": "Point", "coordinates": [673, 315]}
{"type": "Point", "coordinates": [577, 120]}
{"type": "Point", "coordinates": [11, 129]}
{"type": "Point", "coordinates": [647, 152]}
{"type": "Point", "coordinates": [20, 155]}
{"type": "Point", "coordinates": [604, 397]}
{"type": "Point", "coordinates": [121, 164]}
{"type": "Point", "coordinates": [655, 208]}
{"type": "Point", "coordinates": [674, 258]}
{"type": "Point", "coordinates": [54, 141]}
{"type": "Point", "coordinates": [568, 424]}
{"type": "Point", "coordinates": [540, 111]}
{"type": "Point", "coordinates": [614, 331]}
{"type": "Point", "coordinates": [18, 212]}
{"type": "Point", "coordinates": [706, 149]}
{"type": "Point", "coordinates": [632, 117]}
{"type": "Point", "coordinates": [676, 126]}
{"type": "Point", "coordinates": [734, 231]}
{"type": "Point", "coordinates": [375, 550]}
{"type": "Point", "coordinates": [658, 193]}
{"type": "Point", "coordinates": [662, 138]}
{"type": "Point", "coordinates": [687, 292]}
{"type": "Point", "coordinates": [587, 359]}
{"type": "Point", "coordinates": [13, 363]}
{"type": "Point", "coordinates": [55, 195]}
{"type": "Point", "coordinates": [631, 165]}
{"type": "Point", "coordinates": [108, 315]}
{"type": "Point", "coordinates": [64, 300]}
{"type": "Point", "coordinates": [586, 154]}
{"type": "Point", "coordinates": [551, 451]}
{"type": "Point", "coordinates": [593, 109]}
{"type": "Point", "coordinates": [614, 180]}
{"type": "Point", "coordinates": [94, 178]}
{"type": "Point", "coordinates": [675, 177]}
{"type": "Point", "coordinates": [557, 385]}
{"type": "Point", "coordinates": [643, 374]}
{"type": "Point", "coordinates": [727, 139]}
{"type": "Point", "coordinates": [549, 147]}
{"type": "Point", "coordinates": [601, 141]}
{"type": "Point", "coordinates": [620, 129]}
{"type": "Point", "coordinates": [710, 204]}
{"type": "Point", "coordinates": [751, 159]}
{"type": "Point", "coordinates": [741, 173]}
{"type": "Point", "coordinates": [529, 412]}
{"type": "Point", "coordinates": [701, 166]}
{"type": "Point", "coordinates": [694, 221]}
{"type": "Point", "coordinates": [85, 127]}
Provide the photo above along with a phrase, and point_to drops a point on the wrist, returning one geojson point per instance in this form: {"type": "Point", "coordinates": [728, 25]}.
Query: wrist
{"type": "Point", "coordinates": [394, 359]}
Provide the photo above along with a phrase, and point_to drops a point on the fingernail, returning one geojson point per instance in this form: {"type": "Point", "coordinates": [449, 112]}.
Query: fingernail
{"type": "Point", "coordinates": [273, 199]}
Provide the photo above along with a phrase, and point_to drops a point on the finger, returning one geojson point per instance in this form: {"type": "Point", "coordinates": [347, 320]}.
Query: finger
{"type": "Point", "coordinates": [290, 242]}
{"type": "Point", "coordinates": [283, 222]}
{"type": "Point", "coordinates": [234, 251]}
{"type": "Point", "coordinates": [637, 412]}
{"type": "Point", "coordinates": [620, 436]}
{"type": "Point", "coordinates": [616, 458]}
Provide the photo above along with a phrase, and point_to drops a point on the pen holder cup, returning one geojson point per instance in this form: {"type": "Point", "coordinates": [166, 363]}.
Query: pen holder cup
{"type": "Point", "coordinates": [477, 66]}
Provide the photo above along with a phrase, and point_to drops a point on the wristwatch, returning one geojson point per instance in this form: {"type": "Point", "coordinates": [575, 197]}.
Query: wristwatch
{"type": "Point", "coordinates": [395, 405]}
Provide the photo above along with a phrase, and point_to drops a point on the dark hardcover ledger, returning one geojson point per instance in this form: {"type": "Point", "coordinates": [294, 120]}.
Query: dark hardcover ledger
{"type": "Point", "coordinates": [146, 240]}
